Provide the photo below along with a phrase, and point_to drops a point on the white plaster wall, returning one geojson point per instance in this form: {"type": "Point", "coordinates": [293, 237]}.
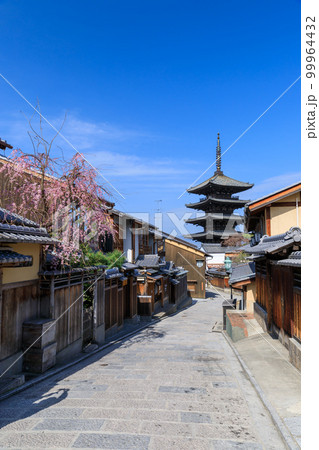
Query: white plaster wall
{"type": "Point", "coordinates": [215, 258]}
{"type": "Point", "coordinates": [127, 244]}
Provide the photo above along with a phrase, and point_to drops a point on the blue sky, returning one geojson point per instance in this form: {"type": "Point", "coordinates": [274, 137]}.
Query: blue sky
{"type": "Point", "coordinates": [148, 84]}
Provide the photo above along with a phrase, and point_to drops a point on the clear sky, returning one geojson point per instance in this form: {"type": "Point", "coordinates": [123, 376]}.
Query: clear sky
{"type": "Point", "coordinates": [148, 84]}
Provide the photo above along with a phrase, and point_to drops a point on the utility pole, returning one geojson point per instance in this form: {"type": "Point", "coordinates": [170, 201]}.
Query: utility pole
{"type": "Point", "coordinates": [159, 205]}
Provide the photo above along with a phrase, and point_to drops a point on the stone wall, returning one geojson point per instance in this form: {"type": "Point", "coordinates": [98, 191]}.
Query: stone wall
{"type": "Point", "coordinates": [261, 316]}
{"type": "Point", "coordinates": [295, 353]}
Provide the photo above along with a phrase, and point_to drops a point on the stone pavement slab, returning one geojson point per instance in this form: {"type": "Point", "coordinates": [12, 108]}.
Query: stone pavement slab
{"type": "Point", "coordinates": [174, 385]}
{"type": "Point", "coordinates": [268, 361]}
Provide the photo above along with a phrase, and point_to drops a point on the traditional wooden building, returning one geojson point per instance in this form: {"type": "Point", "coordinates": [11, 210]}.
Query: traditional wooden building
{"type": "Point", "coordinates": [21, 242]}
{"type": "Point", "coordinates": [160, 285]}
{"type": "Point", "coordinates": [242, 280]}
{"type": "Point", "coordinates": [190, 257]}
{"type": "Point", "coordinates": [216, 255]}
{"type": "Point", "coordinates": [278, 288]}
{"type": "Point", "coordinates": [4, 145]}
{"type": "Point", "coordinates": [133, 236]}
{"type": "Point", "coordinates": [8, 192]}
{"type": "Point", "coordinates": [218, 205]}
{"type": "Point", "coordinates": [274, 213]}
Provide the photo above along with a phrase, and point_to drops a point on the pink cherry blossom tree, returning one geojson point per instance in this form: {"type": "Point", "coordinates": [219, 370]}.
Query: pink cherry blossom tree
{"type": "Point", "coordinates": [65, 197]}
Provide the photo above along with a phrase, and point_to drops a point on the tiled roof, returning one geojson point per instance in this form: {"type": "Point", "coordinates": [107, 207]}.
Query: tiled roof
{"type": "Point", "coordinates": [217, 248]}
{"type": "Point", "coordinates": [148, 261]}
{"type": "Point", "coordinates": [129, 266]}
{"type": "Point", "coordinates": [220, 180]}
{"type": "Point", "coordinates": [192, 245]}
{"type": "Point", "coordinates": [216, 272]}
{"type": "Point", "coordinates": [15, 228]}
{"type": "Point", "coordinates": [294, 260]}
{"type": "Point", "coordinates": [215, 216]}
{"type": "Point", "coordinates": [205, 236]}
{"type": "Point", "coordinates": [273, 193]}
{"type": "Point", "coordinates": [274, 244]}
{"type": "Point", "coordinates": [169, 268]}
{"type": "Point", "coordinates": [242, 272]}
{"type": "Point", "coordinates": [9, 257]}
{"type": "Point", "coordinates": [15, 219]}
{"type": "Point", "coordinates": [220, 233]}
{"type": "Point", "coordinates": [113, 273]}
{"type": "Point", "coordinates": [206, 201]}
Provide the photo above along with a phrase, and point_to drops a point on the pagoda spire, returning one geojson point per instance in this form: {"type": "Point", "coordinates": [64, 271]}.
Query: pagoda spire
{"type": "Point", "coordinates": [218, 204]}
{"type": "Point", "coordinates": [218, 157]}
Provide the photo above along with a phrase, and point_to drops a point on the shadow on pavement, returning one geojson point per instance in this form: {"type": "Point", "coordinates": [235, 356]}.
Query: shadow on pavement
{"type": "Point", "coordinates": [36, 399]}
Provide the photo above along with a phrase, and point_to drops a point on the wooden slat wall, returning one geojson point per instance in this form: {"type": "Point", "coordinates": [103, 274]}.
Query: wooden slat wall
{"type": "Point", "coordinates": [75, 313]}
{"type": "Point", "coordinates": [114, 302]}
{"type": "Point", "coordinates": [297, 313]}
{"type": "Point", "coordinates": [181, 289]}
{"type": "Point", "coordinates": [286, 301]}
{"type": "Point", "coordinates": [166, 289]}
{"type": "Point", "coordinates": [133, 295]}
{"type": "Point", "coordinates": [263, 288]}
{"type": "Point", "coordinates": [69, 323]}
{"type": "Point", "coordinates": [187, 257]}
{"type": "Point", "coordinates": [118, 239]}
{"type": "Point", "coordinates": [107, 318]}
{"type": "Point", "coordinates": [261, 291]}
{"type": "Point", "coordinates": [60, 303]}
{"type": "Point", "coordinates": [287, 294]}
{"type": "Point", "coordinates": [120, 306]}
{"type": "Point", "coordinates": [129, 307]}
{"type": "Point", "coordinates": [19, 303]}
{"type": "Point", "coordinates": [218, 282]}
{"type": "Point", "coordinates": [115, 305]}
{"type": "Point", "coordinates": [107, 294]}
{"type": "Point", "coordinates": [126, 299]}
{"type": "Point", "coordinates": [277, 296]}
{"type": "Point", "coordinates": [100, 310]}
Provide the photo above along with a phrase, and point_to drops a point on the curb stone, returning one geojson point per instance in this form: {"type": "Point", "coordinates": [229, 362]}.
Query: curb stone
{"type": "Point", "coordinates": [281, 427]}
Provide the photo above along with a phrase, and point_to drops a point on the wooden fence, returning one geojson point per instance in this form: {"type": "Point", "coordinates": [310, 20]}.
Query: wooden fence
{"type": "Point", "coordinates": [115, 293]}
{"type": "Point", "coordinates": [18, 302]}
{"type": "Point", "coordinates": [261, 285]}
{"type": "Point", "coordinates": [62, 295]}
{"type": "Point", "coordinates": [278, 293]}
{"type": "Point", "coordinates": [179, 288]}
{"type": "Point", "coordinates": [160, 289]}
{"type": "Point", "coordinates": [60, 301]}
{"type": "Point", "coordinates": [219, 280]}
{"type": "Point", "coordinates": [296, 326]}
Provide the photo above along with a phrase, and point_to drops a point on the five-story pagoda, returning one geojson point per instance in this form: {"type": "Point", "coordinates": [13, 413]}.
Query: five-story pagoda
{"type": "Point", "coordinates": [218, 204]}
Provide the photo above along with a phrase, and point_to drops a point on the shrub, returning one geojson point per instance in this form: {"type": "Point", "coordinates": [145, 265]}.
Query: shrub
{"type": "Point", "coordinates": [97, 258]}
{"type": "Point", "coordinates": [91, 258]}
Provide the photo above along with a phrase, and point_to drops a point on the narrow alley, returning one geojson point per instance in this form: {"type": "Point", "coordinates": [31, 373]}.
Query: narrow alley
{"type": "Point", "coordinates": [175, 385]}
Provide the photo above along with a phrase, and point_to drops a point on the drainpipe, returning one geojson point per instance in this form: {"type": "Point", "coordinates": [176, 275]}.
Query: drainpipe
{"type": "Point", "coordinates": [297, 209]}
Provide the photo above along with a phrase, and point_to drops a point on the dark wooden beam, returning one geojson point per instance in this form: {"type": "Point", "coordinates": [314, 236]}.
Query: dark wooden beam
{"type": "Point", "coordinates": [268, 222]}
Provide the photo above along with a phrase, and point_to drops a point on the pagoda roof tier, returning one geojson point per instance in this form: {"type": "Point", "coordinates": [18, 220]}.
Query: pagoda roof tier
{"type": "Point", "coordinates": [215, 216]}
{"type": "Point", "coordinates": [219, 181]}
{"type": "Point", "coordinates": [205, 203]}
{"type": "Point", "coordinates": [206, 236]}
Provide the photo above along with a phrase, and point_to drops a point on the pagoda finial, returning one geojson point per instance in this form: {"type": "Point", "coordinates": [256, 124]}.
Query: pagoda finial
{"type": "Point", "coordinates": [218, 156]}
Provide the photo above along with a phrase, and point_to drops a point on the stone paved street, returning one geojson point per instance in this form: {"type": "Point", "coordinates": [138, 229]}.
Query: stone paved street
{"type": "Point", "coordinates": [174, 385]}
